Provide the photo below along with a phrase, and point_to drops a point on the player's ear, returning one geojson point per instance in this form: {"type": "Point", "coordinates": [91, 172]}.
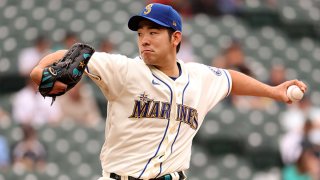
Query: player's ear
{"type": "Point", "coordinates": [176, 37]}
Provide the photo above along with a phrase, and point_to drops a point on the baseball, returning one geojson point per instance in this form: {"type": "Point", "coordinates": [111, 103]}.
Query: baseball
{"type": "Point", "coordinates": [294, 93]}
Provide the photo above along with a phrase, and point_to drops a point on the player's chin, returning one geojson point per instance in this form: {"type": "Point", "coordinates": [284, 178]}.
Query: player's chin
{"type": "Point", "coordinates": [148, 62]}
{"type": "Point", "coordinates": [148, 59]}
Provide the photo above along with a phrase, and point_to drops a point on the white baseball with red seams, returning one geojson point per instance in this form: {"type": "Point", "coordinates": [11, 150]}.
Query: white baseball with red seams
{"type": "Point", "coordinates": [294, 93]}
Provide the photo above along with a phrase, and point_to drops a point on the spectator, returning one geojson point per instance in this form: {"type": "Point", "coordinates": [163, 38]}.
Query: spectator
{"type": "Point", "coordinates": [233, 57]}
{"type": "Point", "coordinates": [182, 6]}
{"type": "Point", "coordinates": [294, 117]}
{"type": "Point", "coordinates": [229, 6]}
{"type": "Point", "coordinates": [208, 7]}
{"type": "Point", "coordinates": [69, 39]}
{"type": "Point", "coordinates": [277, 76]}
{"type": "Point", "coordinates": [105, 46]}
{"type": "Point", "coordinates": [186, 51]}
{"type": "Point", "coordinates": [4, 147]}
{"type": "Point", "coordinates": [301, 155]}
{"type": "Point", "coordinates": [4, 154]}
{"type": "Point", "coordinates": [30, 56]}
{"type": "Point", "coordinates": [4, 116]}
{"type": "Point", "coordinates": [79, 105]}
{"type": "Point", "coordinates": [29, 153]}
{"type": "Point", "coordinates": [306, 167]}
{"type": "Point", "coordinates": [29, 107]}
{"type": "Point", "coordinates": [293, 122]}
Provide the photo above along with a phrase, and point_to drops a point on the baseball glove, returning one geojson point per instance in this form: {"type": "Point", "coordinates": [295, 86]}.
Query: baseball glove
{"type": "Point", "coordinates": [67, 70]}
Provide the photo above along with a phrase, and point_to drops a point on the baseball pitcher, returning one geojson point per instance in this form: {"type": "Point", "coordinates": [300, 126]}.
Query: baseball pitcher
{"type": "Point", "coordinates": [156, 102]}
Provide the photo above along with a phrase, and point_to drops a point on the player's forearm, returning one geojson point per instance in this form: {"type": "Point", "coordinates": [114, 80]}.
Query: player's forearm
{"type": "Point", "coordinates": [246, 85]}
{"type": "Point", "coordinates": [36, 73]}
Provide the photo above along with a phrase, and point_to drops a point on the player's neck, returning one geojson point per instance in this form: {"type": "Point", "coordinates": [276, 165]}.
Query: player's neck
{"type": "Point", "coordinates": [171, 70]}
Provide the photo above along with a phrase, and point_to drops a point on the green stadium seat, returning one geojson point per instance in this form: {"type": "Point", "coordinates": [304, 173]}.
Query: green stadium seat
{"type": "Point", "coordinates": [109, 7]}
{"type": "Point", "coordinates": [52, 170]}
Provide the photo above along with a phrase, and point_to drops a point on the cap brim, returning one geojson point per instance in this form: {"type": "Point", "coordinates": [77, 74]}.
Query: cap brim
{"type": "Point", "coordinates": [134, 21]}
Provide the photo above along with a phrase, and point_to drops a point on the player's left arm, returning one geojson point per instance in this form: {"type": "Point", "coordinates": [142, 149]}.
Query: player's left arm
{"type": "Point", "coordinates": [37, 71]}
{"type": "Point", "coordinates": [245, 85]}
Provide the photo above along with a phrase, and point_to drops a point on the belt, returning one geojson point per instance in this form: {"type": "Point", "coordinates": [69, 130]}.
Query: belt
{"type": "Point", "coordinates": [164, 177]}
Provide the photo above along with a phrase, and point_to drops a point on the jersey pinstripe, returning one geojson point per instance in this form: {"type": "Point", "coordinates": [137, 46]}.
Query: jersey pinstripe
{"type": "Point", "coordinates": [152, 119]}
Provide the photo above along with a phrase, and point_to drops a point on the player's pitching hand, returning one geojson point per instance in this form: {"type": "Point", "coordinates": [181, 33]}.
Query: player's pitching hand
{"type": "Point", "coordinates": [280, 91]}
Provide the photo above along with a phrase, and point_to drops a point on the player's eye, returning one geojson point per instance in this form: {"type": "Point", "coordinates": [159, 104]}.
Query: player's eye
{"type": "Point", "coordinates": [153, 33]}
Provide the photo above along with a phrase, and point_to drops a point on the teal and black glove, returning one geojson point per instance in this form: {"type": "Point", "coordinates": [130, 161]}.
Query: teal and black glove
{"type": "Point", "coordinates": [67, 70]}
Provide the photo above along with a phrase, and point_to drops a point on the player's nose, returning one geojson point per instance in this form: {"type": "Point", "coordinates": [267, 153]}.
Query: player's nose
{"type": "Point", "coordinates": [145, 40]}
{"type": "Point", "coordinates": [145, 43]}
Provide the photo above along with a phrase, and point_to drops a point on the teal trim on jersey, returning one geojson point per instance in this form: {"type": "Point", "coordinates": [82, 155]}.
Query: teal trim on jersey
{"type": "Point", "coordinates": [165, 132]}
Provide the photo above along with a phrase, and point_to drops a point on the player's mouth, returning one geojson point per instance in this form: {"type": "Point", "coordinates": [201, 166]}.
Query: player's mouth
{"type": "Point", "coordinates": [146, 51]}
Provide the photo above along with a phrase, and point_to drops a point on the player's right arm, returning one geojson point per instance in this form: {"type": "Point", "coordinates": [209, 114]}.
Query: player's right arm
{"type": "Point", "coordinates": [245, 85]}
{"type": "Point", "coordinates": [36, 73]}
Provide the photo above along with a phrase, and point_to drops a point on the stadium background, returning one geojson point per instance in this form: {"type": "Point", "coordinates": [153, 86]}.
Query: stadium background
{"type": "Point", "coordinates": [232, 143]}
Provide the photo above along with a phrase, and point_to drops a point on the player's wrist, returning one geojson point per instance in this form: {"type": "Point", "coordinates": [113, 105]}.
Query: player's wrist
{"type": "Point", "coordinates": [36, 75]}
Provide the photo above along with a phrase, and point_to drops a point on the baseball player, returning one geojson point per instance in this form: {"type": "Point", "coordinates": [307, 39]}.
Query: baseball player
{"type": "Point", "coordinates": [156, 102]}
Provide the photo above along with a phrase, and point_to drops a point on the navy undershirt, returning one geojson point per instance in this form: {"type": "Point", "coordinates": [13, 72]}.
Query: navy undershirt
{"type": "Point", "coordinates": [174, 78]}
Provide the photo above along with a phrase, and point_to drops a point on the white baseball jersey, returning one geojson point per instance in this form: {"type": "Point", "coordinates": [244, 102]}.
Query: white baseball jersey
{"type": "Point", "coordinates": [151, 118]}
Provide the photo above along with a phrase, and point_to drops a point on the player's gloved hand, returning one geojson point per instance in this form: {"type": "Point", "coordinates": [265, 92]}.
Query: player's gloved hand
{"type": "Point", "coordinates": [63, 75]}
{"type": "Point", "coordinates": [58, 88]}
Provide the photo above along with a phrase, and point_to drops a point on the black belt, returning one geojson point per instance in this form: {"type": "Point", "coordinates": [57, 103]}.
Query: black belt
{"type": "Point", "coordinates": [164, 177]}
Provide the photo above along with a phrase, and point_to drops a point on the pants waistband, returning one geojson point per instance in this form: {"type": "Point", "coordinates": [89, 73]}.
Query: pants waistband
{"type": "Point", "coordinates": [179, 175]}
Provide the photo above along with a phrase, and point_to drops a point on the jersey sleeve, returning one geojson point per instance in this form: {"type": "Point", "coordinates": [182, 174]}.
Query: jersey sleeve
{"type": "Point", "coordinates": [218, 84]}
{"type": "Point", "coordinates": [109, 72]}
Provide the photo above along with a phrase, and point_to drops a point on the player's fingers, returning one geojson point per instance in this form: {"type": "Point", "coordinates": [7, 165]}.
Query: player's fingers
{"type": "Point", "coordinates": [286, 99]}
{"type": "Point", "coordinates": [301, 85]}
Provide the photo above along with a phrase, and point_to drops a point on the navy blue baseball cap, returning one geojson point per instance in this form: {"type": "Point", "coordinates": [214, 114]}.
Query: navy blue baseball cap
{"type": "Point", "coordinates": [163, 15]}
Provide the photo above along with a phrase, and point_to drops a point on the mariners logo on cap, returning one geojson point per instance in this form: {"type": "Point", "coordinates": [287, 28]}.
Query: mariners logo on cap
{"type": "Point", "coordinates": [174, 23]}
{"type": "Point", "coordinates": [147, 9]}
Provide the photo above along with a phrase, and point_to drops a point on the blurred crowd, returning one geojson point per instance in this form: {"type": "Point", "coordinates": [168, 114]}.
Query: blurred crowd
{"type": "Point", "coordinates": [300, 121]}
{"type": "Point", "coordinates": [299, 145]}
{"type": "Point", "coordinates": [188, 8]}
{"type": "Point", "coordinates": [31, 111]}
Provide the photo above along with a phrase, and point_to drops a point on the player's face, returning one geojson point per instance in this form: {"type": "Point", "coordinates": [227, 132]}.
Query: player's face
{"type": "Point", "coordinates": [154, 44]}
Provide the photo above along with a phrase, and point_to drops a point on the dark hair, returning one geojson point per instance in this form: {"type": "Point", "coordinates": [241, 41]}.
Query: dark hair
{"type": "Point", "coordinates": [170, 32]}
